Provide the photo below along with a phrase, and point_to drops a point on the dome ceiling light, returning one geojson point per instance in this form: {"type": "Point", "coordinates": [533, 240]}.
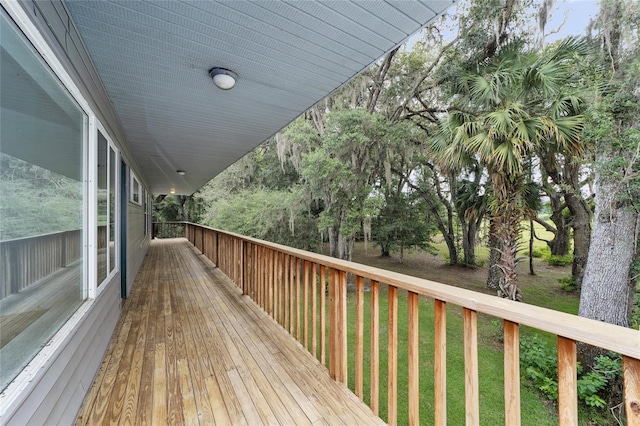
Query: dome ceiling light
{"type": "Point", "coordinates": [224, 78]}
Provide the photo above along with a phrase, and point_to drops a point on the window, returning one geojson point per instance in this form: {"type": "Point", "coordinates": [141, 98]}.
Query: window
{"type": "Point", "coordinates": [106, 208]}
{"type": "Point", "coordinates": [42, 202]}
{"type": "Point", "coordinates": [136, 189]}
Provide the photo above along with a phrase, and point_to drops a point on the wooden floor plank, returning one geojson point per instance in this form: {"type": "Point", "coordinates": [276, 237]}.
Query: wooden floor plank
{"type": "Point", "coordinates": [191, 349]}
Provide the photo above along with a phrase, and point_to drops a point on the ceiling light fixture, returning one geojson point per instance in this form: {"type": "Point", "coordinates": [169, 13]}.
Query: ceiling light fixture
{"type": "Point", "coordinates": [224, 78]}
{"type": "Point", "coordinates": [181, 172]}
{"type": "Point", "coordinates": [172, 191]}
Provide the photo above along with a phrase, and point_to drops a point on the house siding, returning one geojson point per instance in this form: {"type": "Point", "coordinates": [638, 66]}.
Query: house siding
{"type": "Point", "coordinates": [57, 390]}
{"type": "Point", "coordinates": [137, 242]}
{"type": "Point", "coordinates": [57, 396]}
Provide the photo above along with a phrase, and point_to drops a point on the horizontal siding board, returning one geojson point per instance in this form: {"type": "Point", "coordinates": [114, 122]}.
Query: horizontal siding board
{"type": "Point", "coordinates": [54, 393]}
{"type": "Point", "coordinates": [137, 244]}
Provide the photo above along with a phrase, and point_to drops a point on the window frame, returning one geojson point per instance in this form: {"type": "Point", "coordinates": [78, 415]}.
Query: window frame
{"type": "Point", "coordinates": [19, 388]}
{"type": "Point", "coordinates": [95, 287]}
{"type": "Point", "coordinates": [132, 193]}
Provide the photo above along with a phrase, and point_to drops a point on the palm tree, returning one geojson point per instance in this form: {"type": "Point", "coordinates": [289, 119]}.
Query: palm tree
{"type": "Point", "coordinates": [503, 110]}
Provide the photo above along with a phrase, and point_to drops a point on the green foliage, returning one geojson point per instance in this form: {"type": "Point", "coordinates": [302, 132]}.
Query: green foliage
{"type": "Point", "coordinates": [403, 222]}
{"type": "Point", "coordinates": [540, 252]}
{"type": "Point", "coordinates": [36, 201]}
{"type": "Point", "coordinates": [568, 284]}
{"type": "Point", "coordinates": [539, 364]}
{"type": "Point", "coordinates": [635, 310]}
{"type": "Point", "coordinates": [554, 260]}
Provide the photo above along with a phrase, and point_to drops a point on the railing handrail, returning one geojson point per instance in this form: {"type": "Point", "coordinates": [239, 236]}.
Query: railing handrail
{"type": "Point", "coordinates": [625, 341]}
{"type": "Point", "coordinates": [33, 237]}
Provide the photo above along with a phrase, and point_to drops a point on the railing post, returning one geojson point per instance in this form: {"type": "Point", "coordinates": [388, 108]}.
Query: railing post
{"type": "Point", "coordinates": [243, 266]}
{"type": "Point", "coordinates": [338, 325]}
{"type": "Point", "coordinates": [216, 252]}
{"type": "Point", "coordinates": [63, 249]}
{"type": "Point", "coordinates": [413, 300]}
{"type": "Point", "coordinates": [359, 337]}
{"type": "Point", "coordinates": [375, 347]}
{"type": "Point", "coordinates": [567, 382]}
{"type": "Point", "coordinates": [511, 373]}
{"type": "Point", "coordinates": [472, 397]}
{"type": "Point", "coordinates": [631, 375]}
{"type": "Point", "coordinates": [392, 354]}
{"type": "Point", "coordinates": [440, 363]}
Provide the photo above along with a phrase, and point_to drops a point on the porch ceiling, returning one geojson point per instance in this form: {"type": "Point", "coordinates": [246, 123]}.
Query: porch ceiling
{"type": "Point", "coordinates": [153, 59]}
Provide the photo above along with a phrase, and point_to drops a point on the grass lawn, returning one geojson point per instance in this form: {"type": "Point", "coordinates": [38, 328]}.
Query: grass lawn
{"type": "Point", "coordinates": [541, 289]}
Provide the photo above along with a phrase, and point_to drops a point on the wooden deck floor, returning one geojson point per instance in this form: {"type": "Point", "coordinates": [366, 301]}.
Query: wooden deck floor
{"type": "Point", "coordinates": [190, 349]}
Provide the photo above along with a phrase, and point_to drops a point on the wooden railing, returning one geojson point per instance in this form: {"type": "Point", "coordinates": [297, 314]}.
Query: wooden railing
{"type": "Point", "coordinates": [24, 261]}
{"type": "Point", "coordinates": [304, 292]}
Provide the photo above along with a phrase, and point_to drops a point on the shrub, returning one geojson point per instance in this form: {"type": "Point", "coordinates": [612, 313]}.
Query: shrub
{"type": "Point", "coordinates": [560, 260]}
{"type": "Point", "coordinates": [540, 252]}
{"type": "Point", "coordinates": [568, 284]}
{"type": "Point", "coordinates": [539, 364]}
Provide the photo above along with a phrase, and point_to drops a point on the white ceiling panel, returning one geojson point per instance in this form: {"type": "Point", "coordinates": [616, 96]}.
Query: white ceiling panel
{"type": "Point", "coordinates": [153, 58]}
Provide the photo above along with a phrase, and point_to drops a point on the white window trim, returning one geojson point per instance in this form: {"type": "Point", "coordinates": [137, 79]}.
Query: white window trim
{"type": "Point", "coordinates": [17, 391]}
{"type": "Point", "coordinates": [95, 288]}
{"type": "Point", "coordinates": [133, 178]}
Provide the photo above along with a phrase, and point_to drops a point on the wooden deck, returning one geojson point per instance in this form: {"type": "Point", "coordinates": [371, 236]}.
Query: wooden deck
{"type": "Point", "coordinates": [190, 349]}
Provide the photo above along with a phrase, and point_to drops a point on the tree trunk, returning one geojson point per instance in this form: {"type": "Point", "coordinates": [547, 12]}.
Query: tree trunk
{"type": "Point", "coordinates": [531, 234]}
{"type": "Point", "coordinates": [606, 289]}
{"type": "Point", "coordinates": [559, 245]}
{"type": "Point", "coordinates": [606, 286]}
{"type": "Point", "coordinates": [469, 233]}
{"type": "Point", "coordinates": [495, 275]}
{"type": "Point", "coordinates": [342, 247]}
{"type": "Point", "coordinates": [580, 220]}
{"type": "Point", "coordinates": [506, 216]}
{"type": "Point", "coordinates": [333, 239]}
{"type": "Point", "coordinates": [581, 224]}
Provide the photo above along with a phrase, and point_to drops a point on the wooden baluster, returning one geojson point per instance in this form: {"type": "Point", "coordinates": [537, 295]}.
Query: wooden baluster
{"type": "Point", "coordinates": [243, 268]}
{"type": "Point", "coordinates": [306, 304]}
{"type": "Point", "coordinates": [287, 273]}
{"type": "Point", "coordinates": [359, 374]}
{"type": "Point", "coordinates": [259, 268]}
{"type": "Point", "coordinates": [338, 325]}
{"type": "Point", "coordinates": [392, 353]}
{"type": "Point", "coordinates": [440, 362]}
{"type": "Point", "coordinates": [631, 375]}
{"type": "Point", "coordinates": [511, 373]}
{"type": "Point", "coordinates": [472, 400]}
{"type": "Point", "coordinates": [276, 287]}
{"type": "Point", "coordinates": [314, 310]}
{"type": "Point", "coordinates": [272, 273]}
{"type": "Point", "coordinates": [292, 295]}
{"type": "Point", "coordinates": [298, 268]}
{"type": "Point", "coordinates": [323, 309]}
{"type": "Point", "coordinates": [216, 252]}
{"type": "Point", "coordinates": [413, 358]}
{"type": "Point", "coordinates": [375, 347]}
{"type": "Point", "coordinates": [567, 382]}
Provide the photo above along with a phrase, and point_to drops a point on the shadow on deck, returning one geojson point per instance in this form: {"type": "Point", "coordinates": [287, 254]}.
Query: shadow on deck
{"type": "Point", "coordinates": [190, 349]}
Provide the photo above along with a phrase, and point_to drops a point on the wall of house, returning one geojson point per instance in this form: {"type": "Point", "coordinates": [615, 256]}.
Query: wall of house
{"type": "Point", "coordinates": [137, 242]}
{"type": "Point", "coordinates": [55, 390]}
